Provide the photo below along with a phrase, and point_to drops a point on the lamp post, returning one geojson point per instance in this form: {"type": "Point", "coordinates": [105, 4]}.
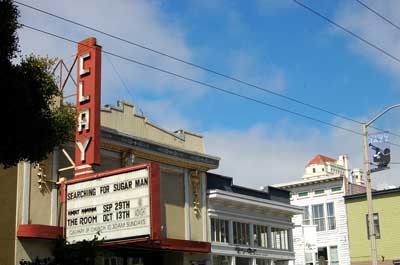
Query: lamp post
{"type": "Point", "coordinates": [372, 235]}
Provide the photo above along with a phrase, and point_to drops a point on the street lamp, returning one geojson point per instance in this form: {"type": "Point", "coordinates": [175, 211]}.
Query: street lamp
{"type": "Point", "coordinates": [372, 234]}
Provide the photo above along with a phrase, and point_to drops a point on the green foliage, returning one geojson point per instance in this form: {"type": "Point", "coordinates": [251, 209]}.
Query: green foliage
{"type": "Point", "coordinates": [8, 30]}
{"type": "Point", "coordinates": [81, 253]}
{"type": "Point", "coordinates": [33, 122]}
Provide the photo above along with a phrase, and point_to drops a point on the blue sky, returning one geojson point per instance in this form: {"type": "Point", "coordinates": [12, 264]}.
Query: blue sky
{"type": "Point", "coordinates": [274, 44]}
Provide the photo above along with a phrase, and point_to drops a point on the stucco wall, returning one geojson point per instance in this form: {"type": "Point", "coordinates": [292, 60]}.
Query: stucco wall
{"type": "Point", "coordinates": [123, 119]}
{"type": "Point", "coordinates": [29, 249]}
{"type": "Point", "coordinates": [40, 200]}
{"type": "Point", "coordinates": [173, 203]}
{"type": "Point", "coordinates": [8, 199]}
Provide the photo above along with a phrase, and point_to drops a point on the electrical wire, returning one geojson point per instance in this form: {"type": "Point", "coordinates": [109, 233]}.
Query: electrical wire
{"type": "Point", "coordinates": [378, 14]}
{"type": "Point", "coordinates": [200, 82]}
{"type": "Point", "coordinates": [355, 35]}
{"type": "Point", "coordinates": [232, 78]}
{"type": "Point", "coordinates": [206, 84]}
{"type": "Point", "coordinates": [120, 78]}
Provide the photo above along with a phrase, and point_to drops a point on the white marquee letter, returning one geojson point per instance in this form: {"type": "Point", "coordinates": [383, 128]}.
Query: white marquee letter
{"type": "Point", "coordinates": [81, 58]}
{"type": "Point", "coordinates": [82, 98]}
{"type": "Point", "coordinates": [83, 120]}
{"type": "Point", "coordinates": [83, 147]}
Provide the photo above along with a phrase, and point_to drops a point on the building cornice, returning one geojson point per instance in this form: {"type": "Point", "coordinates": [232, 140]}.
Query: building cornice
{"type": "Point", "coordinates": [118, 138]}
{"type": "Point", "coordinates": [235, 198]}
{"type": "Point", "coordinates": [307, 182]}
{"type": "Point", "coordinates": [374, 194]}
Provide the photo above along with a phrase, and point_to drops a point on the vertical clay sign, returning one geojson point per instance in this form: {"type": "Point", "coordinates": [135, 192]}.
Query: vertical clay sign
{"type": "Point", "coordinates": [87, 135]}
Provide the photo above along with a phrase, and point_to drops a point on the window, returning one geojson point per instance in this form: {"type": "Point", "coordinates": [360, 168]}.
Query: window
{"type": "Point", "coordinates": [135, 261]}
{"type": "Point", "coordinates": [319, 192]}
{"type": "Point", "coordinates": [313, 170]}
{"type": "Point", "coordinates": [334, 257]}
{"type": "Point", "coordinates": [243, 261]}
{"type": "Point", "coordinates": [322, 255]}
{"type": "Point", "coordinates": [306, 216]}
{"type": "Point", "coordinates": [241, 233]}
{"type": "Point", "coordinates": [376, 225]}
{"type": "Point", "coordinates": [263, 262]}
{"type": "Point", "coordinates": [113, 261]}
{"type": "Point", "coordinates": [219, 230]}
{"type": "Point", "coordinates": [260, 236]}
{"type": "Point", "coordinates": [303, 194]}
{"type": "Point", "coordinates": [336, 189]}
{"type": "Point", "coordinates": [309, 258]}
{"type": "Point", "coordinates": [221, 260]}
{"type": "Point", "coordinates": [330, 212]}
{"type": "Point", "coordinates": [279, 238]}
{"type": "Point", "coordinates": [319, 216]}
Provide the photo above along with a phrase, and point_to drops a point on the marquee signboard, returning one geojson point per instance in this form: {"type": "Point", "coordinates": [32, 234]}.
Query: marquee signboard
{"type": "Point", "coordinates": [116, 204]}
{"type": "Point", "coordinates": [87, 149]}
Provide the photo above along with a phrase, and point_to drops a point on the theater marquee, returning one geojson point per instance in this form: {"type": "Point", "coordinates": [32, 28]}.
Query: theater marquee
{"type": "Point", "coordinates": [115, 206]}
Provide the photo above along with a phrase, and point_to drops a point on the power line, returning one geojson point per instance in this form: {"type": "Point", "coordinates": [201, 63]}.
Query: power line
{"type": "Point", "coordinates": [378, 14]}
{"type": "Point", "coordinates": [207, 85]}
{"type": "Point", "coordinates": [120, 78]}
{"type": "Point", "coordinates": [201, 67]}
{"type": "Point", "coordinates": [201, 83]}
{"type": "Point", "coordinates": [232, 78]}
{"type": "Point", "coordinates": [355, 35]}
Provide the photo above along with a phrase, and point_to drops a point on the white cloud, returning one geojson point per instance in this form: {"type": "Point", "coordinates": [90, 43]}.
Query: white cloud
{"type": "Point", "coordinates": [269, 154]}
{"type": "Point", "coordinates": [248, 67]}
{"type": "Point", "coordinates": [139, 21]}
{"type": "Point", "coordinates": [164, 113]}
{"type": "Point", "coordinates": [366, 24]}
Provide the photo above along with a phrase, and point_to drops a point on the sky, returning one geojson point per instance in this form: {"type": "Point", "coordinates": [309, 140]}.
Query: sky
{"type": "Point", "coordinates": [273, 44]}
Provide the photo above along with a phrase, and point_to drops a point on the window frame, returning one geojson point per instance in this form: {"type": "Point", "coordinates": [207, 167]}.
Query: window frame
{"type": "Point", "coordinates": [242, 228]}
{"type": "Point", "coordinates": [218, 233]}
{"type": "Point", "coordinates": [320, 220]}
{"type": "Point", "coordinates": [263, 238]}
{"type": "Point", "coordinates": [283, 243]}
{"type": "Point", "coordinates": [306, 213]}
{"type": "Point", "coordinates": [306, 194]}
{"type": "Point", "coordinates": [376, 225]}
{"type": "Point", "coordinates": [331, 261]}
{"type": "Point", "coordinates": [330, 217]}
{"type": "Point", "coordinates": [336, 189]}
{"type": "Point", "coordinates": [319, 192]}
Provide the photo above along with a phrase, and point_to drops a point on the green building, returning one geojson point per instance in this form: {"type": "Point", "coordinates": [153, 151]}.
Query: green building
{"type": "Point", "coordinates": [386, 204]}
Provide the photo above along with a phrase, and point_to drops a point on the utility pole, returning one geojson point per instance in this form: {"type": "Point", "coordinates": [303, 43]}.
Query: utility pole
{"type": "Point", "coordinates": [372, 235]}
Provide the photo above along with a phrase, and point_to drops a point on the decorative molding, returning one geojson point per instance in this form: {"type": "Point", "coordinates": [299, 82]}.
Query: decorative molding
{"type": "Point", "coordinates": [195, 181]}
{"type": "Point", "coordinates": [132, 141]}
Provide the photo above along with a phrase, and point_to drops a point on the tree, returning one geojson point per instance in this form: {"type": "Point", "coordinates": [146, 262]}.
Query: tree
{"type": "Point", "coordinates": [32, 123]}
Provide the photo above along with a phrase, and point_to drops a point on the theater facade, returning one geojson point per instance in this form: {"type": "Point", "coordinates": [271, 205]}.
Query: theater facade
{"type": "Point", "coordinates": [144, 189]}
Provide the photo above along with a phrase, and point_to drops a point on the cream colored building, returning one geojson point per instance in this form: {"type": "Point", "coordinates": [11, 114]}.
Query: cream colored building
{"type": "Point", "coordinates": [33, 212]}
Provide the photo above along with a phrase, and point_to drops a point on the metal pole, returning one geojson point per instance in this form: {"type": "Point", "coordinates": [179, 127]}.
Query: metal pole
{"type": "Point", "coordinates": [372, 235]}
